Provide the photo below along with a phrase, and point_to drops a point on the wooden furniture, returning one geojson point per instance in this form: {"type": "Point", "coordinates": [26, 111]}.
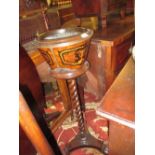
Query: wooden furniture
{"type": "Point", "coordinates": [118, 106]}
{"type": "Point", "coordinates": [65, 50]}
{"type": "Point", "coordinates": [108, 53]}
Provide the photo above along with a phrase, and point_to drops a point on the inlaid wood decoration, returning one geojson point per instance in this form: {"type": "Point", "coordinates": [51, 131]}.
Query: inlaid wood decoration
{"type": "Point", "coordinates": [68, 57]}
{"type": "Point", "coordinates": [65, 48]}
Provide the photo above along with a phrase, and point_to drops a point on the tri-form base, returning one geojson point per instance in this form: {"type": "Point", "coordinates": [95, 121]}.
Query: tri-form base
{"type": "Point", "coordinates": [85, 140]}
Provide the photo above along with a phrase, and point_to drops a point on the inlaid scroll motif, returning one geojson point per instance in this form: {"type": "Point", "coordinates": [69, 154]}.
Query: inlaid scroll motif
{"type": "Point", "coordinates": [45, 52]}
{"type": "Point", "coordinates": [73, 56]}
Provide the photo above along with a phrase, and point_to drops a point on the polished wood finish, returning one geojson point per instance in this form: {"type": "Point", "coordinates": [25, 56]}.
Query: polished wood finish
{"type": "Point", "coordinates": [25, 145]}
{"type": "Point", "coordinates": [121, 139]}
{"type": "Point", "coordinates": [109, 50]}
{"type": "Point", "coordinates": [36, 128]}
{"type": "Point", "coordinates": [32, 129]}
{"type": "Point", "coordinates": [118, 105]}
{"type": "Point", "coordinates": [65, 48]}
{"type": "Point", "coordinates": [27, 76]}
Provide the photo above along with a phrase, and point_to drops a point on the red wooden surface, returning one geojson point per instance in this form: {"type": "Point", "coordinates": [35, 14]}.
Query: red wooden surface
{"type": "Point", "coordinates": [118, 105]}
{"type": "Point", "coordinates": [119, 99]}
{"type": "Point", "coordinates": [86, 7]}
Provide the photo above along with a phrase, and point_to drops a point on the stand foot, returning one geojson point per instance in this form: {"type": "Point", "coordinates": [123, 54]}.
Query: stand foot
{"type": "Point", "coordinates": [86, 140]}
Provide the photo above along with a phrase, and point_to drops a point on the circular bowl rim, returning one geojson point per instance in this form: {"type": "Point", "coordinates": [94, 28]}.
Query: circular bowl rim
{"type": "Point", "coordinates": [68, 40]}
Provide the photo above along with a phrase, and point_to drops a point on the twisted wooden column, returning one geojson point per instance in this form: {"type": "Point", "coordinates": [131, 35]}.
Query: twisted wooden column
{"type": "Point", "coordinates": [75, 101]}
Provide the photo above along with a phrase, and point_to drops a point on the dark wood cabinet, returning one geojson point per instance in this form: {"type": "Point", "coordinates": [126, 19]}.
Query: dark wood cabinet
{"type": "Point", "coordinates": [109, 51]}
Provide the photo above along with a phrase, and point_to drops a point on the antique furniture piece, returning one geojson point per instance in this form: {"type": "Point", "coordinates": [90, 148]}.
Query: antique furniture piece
{"type": "Point", "coordinates": [118, 106]}
{"type": "Point", "coordinates": [109, 51]}
{"type": "Point", "coordinates": [65, 50]}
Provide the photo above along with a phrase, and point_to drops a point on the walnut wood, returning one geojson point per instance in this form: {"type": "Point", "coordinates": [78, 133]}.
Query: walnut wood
{"type": "Point", "coordinates": [118, 105]}
{"type": "Point", "coordinates": [31, 128]}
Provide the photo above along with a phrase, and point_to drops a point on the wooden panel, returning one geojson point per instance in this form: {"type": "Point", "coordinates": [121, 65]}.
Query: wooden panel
{"type": "Point", "coordinates": [119, 99]}
{"type": "Point", "coordinates": [108, 53]}
{"type": "Point", "coordinates": [27, 76]}
{"type": "Point", "coordinates": [121, 139]}
{"type": "Point", "coordinates": [27, 6]}
{"type": "Point", "coordinates": [25, 145]}
{"type": "Point", "coordinates": [30, 26]}
{"type": "Point", "coordinates": [32, 129]}
{"type": "Point", "coordinates": [96, 74]}
{"type": "Point", "coordinates": [118, 106]}
{"type": "Point", "coordinates": [33, 25]}
{"type": "Point", "coordinates": [36, 57]}
{"type": "Point", "coordinates": [86, 7]}
{"type": "Point", "coordinates": [66, 14]}
{"type": "Point", "coordinates": [111, 37]}
{"type": "Point", "coordinates": [53, 20]}
{"type": "Point", "coordinates": [122, 54]}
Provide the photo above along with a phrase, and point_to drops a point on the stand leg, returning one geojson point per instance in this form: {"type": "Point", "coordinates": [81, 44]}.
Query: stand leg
{"type": "Point", "coordinates": [84, 138]}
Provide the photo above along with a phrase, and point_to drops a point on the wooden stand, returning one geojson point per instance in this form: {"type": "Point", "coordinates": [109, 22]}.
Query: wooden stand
{"type": "Point", "coordinates": [84, 138]}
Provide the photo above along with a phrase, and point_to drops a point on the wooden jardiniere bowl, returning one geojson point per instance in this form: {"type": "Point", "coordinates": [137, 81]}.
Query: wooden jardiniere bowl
{"type": "Point", "coordinates": [65, 48]}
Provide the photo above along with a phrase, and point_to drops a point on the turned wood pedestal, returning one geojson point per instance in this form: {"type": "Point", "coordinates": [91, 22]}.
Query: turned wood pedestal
{"type": "Point", "coordinates": [84, 138]}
